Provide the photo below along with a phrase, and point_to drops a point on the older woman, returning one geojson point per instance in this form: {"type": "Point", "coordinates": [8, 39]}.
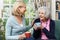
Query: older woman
{"type": "Point", "coordinates": [15, 26]}
{"type": "Point", "coordinates": [46, 29]}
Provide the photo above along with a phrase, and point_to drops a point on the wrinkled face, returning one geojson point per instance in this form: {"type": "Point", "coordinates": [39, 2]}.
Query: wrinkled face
{"type": "Point", "coordinates": [21, 9]}
{"type": "Point", "coordinates": [42, 14]}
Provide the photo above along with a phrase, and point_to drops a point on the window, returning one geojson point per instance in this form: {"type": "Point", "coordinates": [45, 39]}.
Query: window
{"type": "Point", "coordinates": [57, 10]}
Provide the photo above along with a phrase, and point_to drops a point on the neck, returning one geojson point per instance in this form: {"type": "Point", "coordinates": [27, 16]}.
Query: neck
{"type": "Point", "coordinates": [19, 17]}
{"type": "Point", "coordinates": [45, 20]}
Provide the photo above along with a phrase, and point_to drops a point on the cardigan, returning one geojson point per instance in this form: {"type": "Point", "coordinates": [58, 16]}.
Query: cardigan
{"type": "Point", "coordinates": [50, 34]}
{"type": "Point", "coordinates": [14, 29]}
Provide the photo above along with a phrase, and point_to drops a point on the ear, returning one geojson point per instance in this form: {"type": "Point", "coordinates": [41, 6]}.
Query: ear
{"type": "Point", "coordinates": [17, 10]}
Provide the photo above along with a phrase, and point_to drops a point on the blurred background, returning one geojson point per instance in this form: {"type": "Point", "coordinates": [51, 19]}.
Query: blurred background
{"type": "Point", "coordinates": [31, 13]}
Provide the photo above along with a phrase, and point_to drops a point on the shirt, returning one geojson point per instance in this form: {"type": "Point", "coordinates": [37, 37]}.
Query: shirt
{"type": "Point", "coordinates": [46, 25]}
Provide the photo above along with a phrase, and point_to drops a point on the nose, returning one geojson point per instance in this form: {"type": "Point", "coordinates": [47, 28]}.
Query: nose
{"type": "Point", "coordinates": [39, 14]}
{"type": "Point", "coordinates": [24, 8]}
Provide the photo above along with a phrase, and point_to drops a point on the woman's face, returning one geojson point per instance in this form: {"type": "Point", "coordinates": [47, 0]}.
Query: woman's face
{"type": "Point", "coordinates": [42, 14]}
{"type": "Point", "coordinates": [21, 9]}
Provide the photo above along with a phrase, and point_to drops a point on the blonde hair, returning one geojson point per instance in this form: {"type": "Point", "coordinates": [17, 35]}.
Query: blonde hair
{"type": "Point", "coordinates": [15, 6]}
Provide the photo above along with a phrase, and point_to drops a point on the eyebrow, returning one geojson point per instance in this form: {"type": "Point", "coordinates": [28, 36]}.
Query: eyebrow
{"type": "Point", "coordinates": [22, 6]}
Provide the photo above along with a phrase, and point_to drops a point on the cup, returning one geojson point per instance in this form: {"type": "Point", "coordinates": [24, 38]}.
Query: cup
{"type": "Point", "coordinates": [28, 34]}
{"type": "Point", "coordinates": [38, 24]}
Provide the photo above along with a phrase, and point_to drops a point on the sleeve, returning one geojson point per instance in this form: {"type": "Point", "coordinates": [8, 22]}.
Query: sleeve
{"type": "Point", "coordinates": [8, 31]}
{"type": "Point", "coordinates": [28, 27]}
{"type": "Point", "coordinates": [50, 34]}
{"type": "Point", "coordinates": [36, 33]}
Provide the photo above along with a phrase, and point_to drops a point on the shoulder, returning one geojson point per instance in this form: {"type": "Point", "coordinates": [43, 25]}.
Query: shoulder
{"type": "Point", "coordinates": [37, 20]}
{"type": "Point", "coordinates": [10, 19]}
{"type": "Point", "coordinates": [52, 21]}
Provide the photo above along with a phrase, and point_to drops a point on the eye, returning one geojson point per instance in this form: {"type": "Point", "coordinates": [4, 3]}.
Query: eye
{"type": "Point", "coordinates": [42, 13]}
{"type": "Point", "coordinates": [20, 6]}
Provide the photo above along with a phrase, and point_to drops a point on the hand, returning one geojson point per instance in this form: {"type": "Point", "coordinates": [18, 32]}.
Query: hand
{"type": "Point", "coordinates": [32, 22]}
{"type": "Point", "coordinates": [41, 27]}
{"type": "Point", "coordinates": [35, 27]}
{"type": "Point", "coordinates": [27, 32]}
{"type": "Point", "coordinates": [22, 36]}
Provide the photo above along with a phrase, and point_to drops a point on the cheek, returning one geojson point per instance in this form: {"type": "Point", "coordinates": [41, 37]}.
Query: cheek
{"type": "Point", "coordinates": [21, 9]}
{"type": "Point", "coordinates": [42, 17]}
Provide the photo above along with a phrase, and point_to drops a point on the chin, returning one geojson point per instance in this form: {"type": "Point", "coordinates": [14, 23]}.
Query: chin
{"type": "Point", "coordinates": [41, 18]}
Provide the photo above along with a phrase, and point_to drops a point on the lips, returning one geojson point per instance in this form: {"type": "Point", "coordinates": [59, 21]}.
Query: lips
{"type": "Point", "coordinates": [41, 17]}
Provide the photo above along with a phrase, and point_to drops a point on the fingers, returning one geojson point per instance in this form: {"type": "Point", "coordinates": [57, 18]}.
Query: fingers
{"type": "Point", "coordinates": [41, 27]}
{"type": "Point", "coordinates": [32, 22]}
{"type": "Point", "coordinates": [35, 27]}
{"type": "Point", "coordinates": [22, 36]}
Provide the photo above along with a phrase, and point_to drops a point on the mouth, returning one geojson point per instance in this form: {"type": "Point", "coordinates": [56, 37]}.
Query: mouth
{"type": "Point", "coordinates": [41, 17]}
{"type": "Point", "coordinates": [24, 11]}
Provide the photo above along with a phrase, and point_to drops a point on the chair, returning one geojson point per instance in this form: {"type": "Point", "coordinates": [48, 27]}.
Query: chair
{"type": "Point", "coordinates": [57, 29]}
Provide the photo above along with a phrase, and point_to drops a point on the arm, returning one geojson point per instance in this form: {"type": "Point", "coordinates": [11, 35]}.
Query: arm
{"type": "Point", "coordinates": [36, 31]}
{"type": "Point", "coordinates": [28, 27]}
{"type": "Point", "coordinates": [8, 33]}
{"type": "Point", "coordinates": [50, 34]}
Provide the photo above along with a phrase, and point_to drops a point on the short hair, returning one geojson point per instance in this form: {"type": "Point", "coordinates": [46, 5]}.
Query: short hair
{"type": "Point", "coordinates": [15, 6]}
{"type": "Point", "coordinates": [47, 11]}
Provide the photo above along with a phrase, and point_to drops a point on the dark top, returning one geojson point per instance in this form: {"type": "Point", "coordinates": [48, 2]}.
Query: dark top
{"type": "Point", "coordinates": [50, 34]}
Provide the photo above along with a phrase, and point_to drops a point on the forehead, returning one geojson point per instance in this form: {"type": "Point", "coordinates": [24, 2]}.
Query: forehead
{"type": "Point", "coordinates": [42, 11]}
